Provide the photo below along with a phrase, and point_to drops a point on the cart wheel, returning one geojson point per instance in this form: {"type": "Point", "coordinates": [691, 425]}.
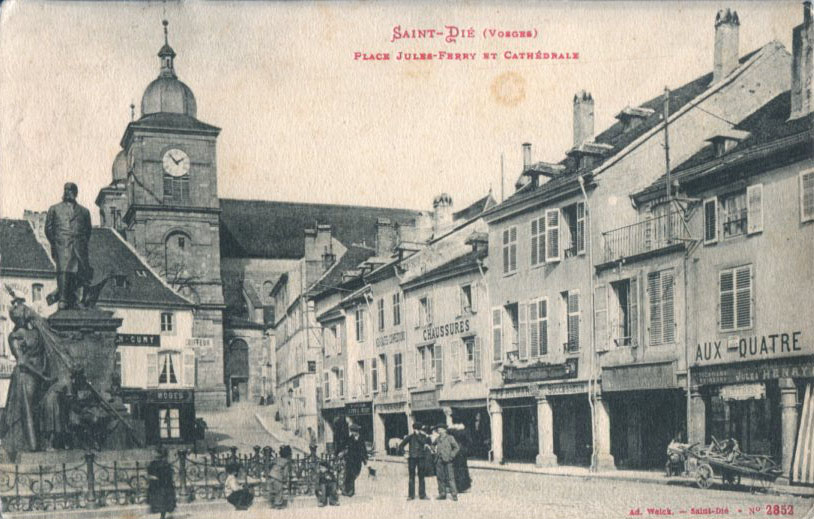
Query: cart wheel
{"type": "Point", "coordinates": [703, 476]}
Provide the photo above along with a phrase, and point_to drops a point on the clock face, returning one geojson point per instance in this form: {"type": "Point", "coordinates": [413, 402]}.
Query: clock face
{"type": "Point", "coordinates": [176, 162]}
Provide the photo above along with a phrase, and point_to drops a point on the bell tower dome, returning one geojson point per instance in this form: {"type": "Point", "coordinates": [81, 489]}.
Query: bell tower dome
{"type": "Point", "coordinates": [167, 94]}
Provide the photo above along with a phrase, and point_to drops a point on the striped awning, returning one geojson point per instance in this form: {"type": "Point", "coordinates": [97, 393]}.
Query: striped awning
{"type": "Point", "coordinates": [802, 469]}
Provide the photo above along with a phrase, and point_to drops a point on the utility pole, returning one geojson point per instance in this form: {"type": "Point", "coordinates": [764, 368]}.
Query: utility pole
{"type": "Point", "coordinates": [667, 142]}
{"type": "Point", "coordinates": [502, 179]}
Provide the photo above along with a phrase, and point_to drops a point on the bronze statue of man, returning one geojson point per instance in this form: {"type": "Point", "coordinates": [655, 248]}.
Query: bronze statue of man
{"type": "Point", "coordinates": [67, 228]}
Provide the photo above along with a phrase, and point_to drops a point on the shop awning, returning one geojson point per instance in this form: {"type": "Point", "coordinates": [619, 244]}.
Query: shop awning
{"type": "Point", "coordinates": [802, 469]}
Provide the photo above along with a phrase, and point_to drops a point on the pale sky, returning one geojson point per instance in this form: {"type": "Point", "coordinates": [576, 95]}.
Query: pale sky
{"type": "Point", "coordinates": [302, 121]}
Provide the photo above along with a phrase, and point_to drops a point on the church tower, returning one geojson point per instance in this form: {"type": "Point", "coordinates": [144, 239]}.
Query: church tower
{"type": "Point", "coordinates": [172, 215]}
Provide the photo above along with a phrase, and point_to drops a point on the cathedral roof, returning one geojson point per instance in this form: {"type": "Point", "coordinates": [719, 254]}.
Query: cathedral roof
{"type": "Point", "coordinates": [282, 233]}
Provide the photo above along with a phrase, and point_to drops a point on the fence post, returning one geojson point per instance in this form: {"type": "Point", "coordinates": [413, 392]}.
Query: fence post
{"type": "Point", "coordinates": [206, 477]}
{"type": "Point", "coordinates": [234, 453]}
{"type": "Point", "coordinates": [138, 483]}
{"type": "Point", "coordinates": [64, 484]}
{"type": "Point", "coordinates": [116, 480]}
{"type": "Point", "coordinates": [90, 475]}
{"type": "Point", "coordinates": [182, 470]}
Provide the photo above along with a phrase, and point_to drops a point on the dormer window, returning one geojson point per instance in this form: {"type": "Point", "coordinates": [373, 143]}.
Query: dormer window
{"type": "Point", "coordinates": [633, 117]}
{"type": "Point", "coordinates": [120, 281]}
{"type": "Point", "coordinates": [725, 141]}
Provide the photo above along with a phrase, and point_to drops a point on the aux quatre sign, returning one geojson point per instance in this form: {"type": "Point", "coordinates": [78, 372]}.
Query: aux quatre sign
{"type": "Point", "coordinates": [738, 348]}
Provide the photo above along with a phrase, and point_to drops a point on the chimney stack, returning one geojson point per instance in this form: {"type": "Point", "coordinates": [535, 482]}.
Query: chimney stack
{"type": "Point", "coordinates": [526, 155]}
{"type": "Point", "coordinates": [802, 65]}
{"type": "Point", "coordinates": [442, 213]}
{"type": "Point", "coordinates": [583, 118]}
{"type": "Point", "coordinates": [726, 44]}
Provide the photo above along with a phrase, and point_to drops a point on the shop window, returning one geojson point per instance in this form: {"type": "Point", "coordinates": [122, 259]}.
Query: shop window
{"type": "Point", "coordinates": [168, 364]}
{"type": "Point", "coordinates": [380, 311]}
{"type": "Point", "coordinates": [396, 309]}
{"type": "Point", "coordinates": [573, 240]}
{"type": "Point", "coordinates": [167, 323]}
{"type": "Point", "coordinates": [424, 311]}
{"type": "Point", "coordinates": [660, 289]}
{"type": "Point", "coordinates": [807, 196]}
{"type": "Point", "coordinates": [467, 300]}
{"type": "Point", "coordinates": [36, 292]}
{"type": "Point", "coordinates": [624, 312]}
{"type": "Point", "coordinates": [398, 372]}
{"type": "Point", "coordinates": [735, 304]}
{"type": "Point", "coordinates": [538, 241]}
{"type": "Point", "coordinates": [570, 302]}
{"type": "Point", "coordinates": [510, 250]}
{"type": "Point", "coordinates": [538, 328]}
{"type": "Point", "coordinates": [169, 421]}
{"type": "Point", "coordinates": [360, 324]}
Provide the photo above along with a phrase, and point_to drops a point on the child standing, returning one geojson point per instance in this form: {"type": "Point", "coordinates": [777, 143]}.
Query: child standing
{"type": "Point", "coordinates": [278, 475]}
{"type": "Point", "coordinates": [326, 485]}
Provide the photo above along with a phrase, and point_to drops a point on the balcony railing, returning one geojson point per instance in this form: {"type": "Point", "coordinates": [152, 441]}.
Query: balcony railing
{"type": "Point", "coordinates": [648, 236]}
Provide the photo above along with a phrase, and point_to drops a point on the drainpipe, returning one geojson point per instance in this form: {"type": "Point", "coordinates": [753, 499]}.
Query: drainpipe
{"type": "Point", "coordinates": [592, 382]}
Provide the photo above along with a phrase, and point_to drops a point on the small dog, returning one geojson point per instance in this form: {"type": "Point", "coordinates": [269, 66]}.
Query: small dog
{"type": "Point", "coordinates": [371, 472]}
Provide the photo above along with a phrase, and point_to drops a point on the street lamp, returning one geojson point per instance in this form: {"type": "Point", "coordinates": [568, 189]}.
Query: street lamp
{"type": "Point", "coordinates": [290, 406]}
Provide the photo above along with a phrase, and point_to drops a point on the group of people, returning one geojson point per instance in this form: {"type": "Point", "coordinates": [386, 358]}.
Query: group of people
{"type": "Point", "coordinates": [439, 451]}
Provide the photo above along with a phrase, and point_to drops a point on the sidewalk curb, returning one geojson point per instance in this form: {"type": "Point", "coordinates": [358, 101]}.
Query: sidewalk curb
{"type": "Point", "coordinates": [785, 490]}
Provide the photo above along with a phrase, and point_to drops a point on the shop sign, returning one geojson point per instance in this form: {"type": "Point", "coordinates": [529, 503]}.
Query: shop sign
{"type": "Point", "coordinates": [170, 396]}
{"type": "Point", "coordinates": [358, 408]}
{"type": "Point", "coordinates": [568, 369]}
{"type": "Point", "coordinates": [637, 377]}
{"type": "Point", "coordinates": [393, 338]}
{"type": "Point", "coordinates": [571, 388]}
{"type": "Point", "coordinates": [138, 339]}
{"type": "Point", "coordinates": [756, 371]}
{"type": "Point", "coordinates": [739, 348]}
{"type": "Point", "coordinates": [511, 392]}
{"type": "Point", "coordinates": [446, 330]}
{"type": "Point", "coordinates": [396, 407]}
{"type": "Point", "coordinates": [425, 400]}
{"type": "Point", "coordinates": [204, 348]}
{"type": "Point", "coordinates": [743, 391]}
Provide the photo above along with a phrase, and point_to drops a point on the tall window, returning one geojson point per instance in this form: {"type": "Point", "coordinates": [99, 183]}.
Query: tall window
{"type": "Point", "coordinates": [36, 292]}
{"type": "Point", "coordinates": [472, 357]}
{"type": "Point", "coordinates": [736, 298]}
{"type": "Point", "coordinates": [574, 242]}
{"type": "Point", "coordinates": [538, 327]}
{"type": "Point", "coordinates": [510, 250]}
{"type": "Point", "coordinates": [396, 309]}
{"type": "Point", "coordinates": [176, 189]}
{"type": "Point", "coordinates": [428, 357]}
{"type": "Point", "coordinates": [169, 365]}
{"type": "Point", "coordinates": [360, 324]}
{"type": "Point", "coordinates": [398, 373]}
{"type": "Point", "coordinates": [552, 229]}
{"type": "Point", "coordinates": [167, 322]}
{"type": "Point", "coordinates": [380, 309]}
{"type": "Point", "coordinates": [361, 377]}
{"type": "Point", "coordinates": [169, 423]}
{"type": "Point", "coordinates": [424, 311]}
{"type": "Point", "coordinates": [467, 301]}
{"type": "Point", "coordinates": [624, 312]}
{"type": "Point", "coordinates": [733, 214]}
{"type": "Point", "coordinates": [571, 304]}
{"type": "Point", "coordinates": [538, 241]}
{"type": "Point", "coordinates": [662, 309]}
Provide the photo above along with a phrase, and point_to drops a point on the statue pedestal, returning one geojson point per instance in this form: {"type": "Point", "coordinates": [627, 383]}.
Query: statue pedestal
{"type": "Point", "coordinates": [91, 342]}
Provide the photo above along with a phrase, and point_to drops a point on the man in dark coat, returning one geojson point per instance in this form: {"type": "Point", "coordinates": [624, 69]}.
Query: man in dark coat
{"type": "Point", "coordinates": [355, 455]}
{"type": "Point", "coordinates": [446, 448]}
{"type": "Point", "coordinates": [416, 442]}
{"type": "Point", "coordinates": [67, 227]}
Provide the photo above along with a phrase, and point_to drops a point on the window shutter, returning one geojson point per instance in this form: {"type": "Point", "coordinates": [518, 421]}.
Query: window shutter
{"type": "Point", "coordinates": [552, 217]}
{"type": "Point", "coordinates": [476, 355]}
{"type": "Point", "coordinates": [710, 220]}
{"type": "Point", "coordinates": [633, 310]}
{"type": "Point", "coordinates": [506, 251]}
{"type": "Point", "coordinates": [654, 294]}
{"type": "Point", "coordinates": [439, 364]}
{"type": "Point", "coordinates": [573, 321]}
{"type": "Point", "coordinates": [152, 370]}
{"type": "Point", "coordinates": [534, 241]}
{"type": "Point", "coordinates": [473, 290]}
{"type": "Point", "coordinates": [542, 314]}
{"type": "Point", "coordinates": [580, 228]}
{"type": "Point", "coordinates": [513, 249]}
{"type": "Point", "coordinates": [189, 368]}
{"type": "Point", "coordinates": [497, 334]}
{"type": "Point", "coordinates": [743, 281]}
{"type": "Point", "coordinates": [534, 338]}
{"type": "Point", "coordinates": [807, 196]}
{"type": "Point", "coordinates": [429, 310]}
{"type": "Point", "coordinates": [727, 300]}
{"type": "Point", "coordinates": [410, 367]}
{"type": "Point", "coordinates": [601, 317]}
{"type": "Point", "coordinates": [754, 208]}
{"type": "Point", "coordinates": [522, 329]}
{"type": "Point", "coordinates": [668, 308]}
{"type": "Point", "coordinates": [454, 363]}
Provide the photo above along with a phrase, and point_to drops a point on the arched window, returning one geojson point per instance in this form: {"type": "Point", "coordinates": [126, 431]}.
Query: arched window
{"type": "Point", "coordinates": [177, 255]}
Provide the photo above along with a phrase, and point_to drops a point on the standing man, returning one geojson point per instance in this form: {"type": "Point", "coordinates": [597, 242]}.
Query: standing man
{"type": "Point", "coordinates": [446, 449]}
{"type": "Point", "coordinates": [355, 455]}
{"type": "Point", "coordinates": [67, 227]}
{"type": "Point", "coordinates": [415, 442]}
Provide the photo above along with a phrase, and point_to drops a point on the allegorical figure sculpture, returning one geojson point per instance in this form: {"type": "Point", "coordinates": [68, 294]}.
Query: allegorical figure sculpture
{"type": "Point", "coordinates": [68, 228]}
{"type": "Point", "coordinates": [19, 424]}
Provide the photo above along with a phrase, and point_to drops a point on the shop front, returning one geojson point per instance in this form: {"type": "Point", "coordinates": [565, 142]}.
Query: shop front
{"type": "Point", "coordinates": [361, 414]}
{"type": "Point", "coordinates": [758, 403]}
{"type": "Point", "coordinates": [426, 408]}
{"type": "Point", "coordinates": [168, 414]}
{"type": "Point", "coordinates": [474, 417]}
{"type": "Point", "coordinates": [394, 423]}
{"type": "Point", "coordinates": [647, 410]}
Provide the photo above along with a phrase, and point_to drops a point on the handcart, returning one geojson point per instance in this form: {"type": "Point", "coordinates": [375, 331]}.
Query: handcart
{"type": "Point", "coordinates": [726, 460]}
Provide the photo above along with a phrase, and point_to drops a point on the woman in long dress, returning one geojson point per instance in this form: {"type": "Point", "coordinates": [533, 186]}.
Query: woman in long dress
{"type": "Point", "coordinates": [160, 489]}
{"type": "Point", "coordinates": [460, 463]}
